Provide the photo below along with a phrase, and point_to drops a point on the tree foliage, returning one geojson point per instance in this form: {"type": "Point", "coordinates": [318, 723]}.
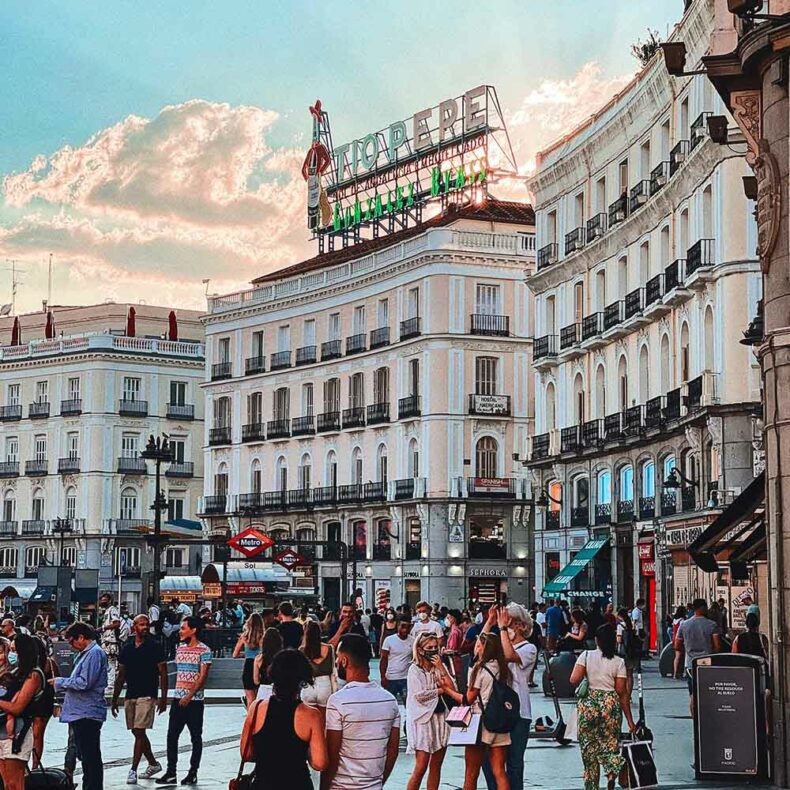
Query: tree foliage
{"type": "Point", "coordinates": [643, 51]}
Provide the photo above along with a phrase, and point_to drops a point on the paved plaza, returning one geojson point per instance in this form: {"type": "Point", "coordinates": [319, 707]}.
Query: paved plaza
{"type": "Point", "coordinates": [548, 765]}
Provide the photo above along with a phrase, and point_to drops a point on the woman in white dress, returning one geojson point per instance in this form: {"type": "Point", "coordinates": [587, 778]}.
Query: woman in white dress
{"type": "Point", "coordinates": [426, 729]}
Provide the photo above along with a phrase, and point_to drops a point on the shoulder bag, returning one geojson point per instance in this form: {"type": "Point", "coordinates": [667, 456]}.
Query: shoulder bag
{"type": "Point", "coordinates": [583, 689]}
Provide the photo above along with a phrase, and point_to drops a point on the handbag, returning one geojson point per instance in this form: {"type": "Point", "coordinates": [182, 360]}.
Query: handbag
{"type": "Point", "coordinates": [469, 735]}
{"type": "Point", "coordinates": [459, 716]}
{"type": "Point", "coordinates": [242, 781]}
{"type": "Point", "coordinates": [640, 766]}
{"type": "Point", "coordinates": [39, 778]}
{"type": "Point", "coordinates": [247, 747]}
{"type": "Point", "coordinates": [583, 689]}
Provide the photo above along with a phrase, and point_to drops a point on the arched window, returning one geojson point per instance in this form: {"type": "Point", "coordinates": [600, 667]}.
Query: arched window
{"type": "Point", "coordinates": [221, 480]}
{"type": "Point", "coordinates": [625, 504]}
{"type": "Point", "coordinates": [580, 515]}
{"type": "Point", "coordinates": [9, 507]}
{"type": "Point", "coordinates": [685, 354]}
{"type": "Point", "coordinates": [644, 261]}
{"type": "Point", "coordinates": [578, 399]}
{"type": "Point", "coordinates": [709, 339]}
{"type": "Point", "coordinates": [413, 459]}
{"type": "Point", "coordinates": [683, 235]}
{"type": "Point", "coordinates": [600, 391]}
{"type": "Point", "coordinates": [707, 213]}
{"type": "Point", "coordinates": [487, 457]}
{"type": "Point", "coordinates": [256, 484]}
{"type": "Point", "coordinates": [666, 252]}
{"type": "Point", "coordinates": [279, 533]}
{"type": "Point", "coordinates": [555, 505]}
{"type": "Point", "coordinates": [644, 373]}
{"type": "Point", "coordinates": [551, 415]}
{"type": "Point", "coordinates": [600, 290]}
{"type": "Point", "coordinates": [71, 503]}
{"type": "Point", "coordinates": [622, 276]}
{"type": "Point", "coordinates": [603, 488]}
{"type": "Point", "coordinates": [359, 540]}
{"type": "Point", "coordinates": [666, 370]}
{"type": "Point", "coordinates": [330, 478]}
{"type": "Point", "coordinates": [303, 537]}
{"type": "Point", "coordinates": [622, 378]}
{"type": "Point", "coordinates": [381, 386]}
{"type": "Point", "coordinates": [648, 479]}
{"type": "Point", "coordinates": [281, 473]}
{"type": "Point", "coordinates": [382, 550]}
{"type": "Point", "coordinates": [381, 464]}
{"type": "Point", "coordinates": [305, 469]}
{"type": "Point", "coordinates": [38, 504]}
{"type": "Point", "coordinates": [550, 314]}
{"type": "Point", "coordinates": [356, 466]}
{"type": "Point", "coordinates": [129, 508]}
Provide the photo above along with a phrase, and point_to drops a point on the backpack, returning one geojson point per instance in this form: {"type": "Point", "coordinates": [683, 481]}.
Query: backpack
{"type": "Point", "coordinates": [503, 709]}
{"type": "Point", "coordinates": [632, 644]}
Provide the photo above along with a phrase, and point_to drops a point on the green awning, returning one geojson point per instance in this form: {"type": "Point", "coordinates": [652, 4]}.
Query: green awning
{"type": "Point", "coordinates": [582, 559]}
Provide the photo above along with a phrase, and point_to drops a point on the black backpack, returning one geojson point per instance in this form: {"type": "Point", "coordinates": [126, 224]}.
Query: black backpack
{"type": "Point", "coordinates": [503, 709]}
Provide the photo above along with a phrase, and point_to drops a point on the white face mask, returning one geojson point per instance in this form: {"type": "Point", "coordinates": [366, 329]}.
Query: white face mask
{"type": "Point", "coordinates": [390, 617]}
{"type": "Point", "coordinates": [423, 616]}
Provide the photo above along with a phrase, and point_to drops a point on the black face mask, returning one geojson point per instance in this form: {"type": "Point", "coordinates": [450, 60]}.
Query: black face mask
{"type": "Point", "coordinates": [429, 654]}
{"type": "Point", "coordinates": [341, 671]}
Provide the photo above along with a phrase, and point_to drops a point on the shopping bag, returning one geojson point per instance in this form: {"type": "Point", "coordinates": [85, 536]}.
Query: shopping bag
{"type": "Point", "coordinates": [572, 727]}
{"type": "Point", "coordinates": [467, 736]}
{"type": "Point", "coordinates": [459, 716]}
{"type": "Point", "coordinates": [639, 765]}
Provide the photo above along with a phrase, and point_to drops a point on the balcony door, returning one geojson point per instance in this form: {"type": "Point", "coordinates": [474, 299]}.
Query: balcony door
{"type": "Point", "coordinates": [332, 396]}
{"type": "Point", "coordinates": [486, 375]}
{"type": "Point", "coordinates": [131, 388]}
{"type": "Point", "coordinates": [178, 393]}
{"type": "Point", "coordinates": [488, 300]}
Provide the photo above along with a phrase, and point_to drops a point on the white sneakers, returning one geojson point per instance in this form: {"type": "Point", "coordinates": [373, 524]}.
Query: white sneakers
{"type": "Point", "coordinates": [131, 779]}
{"type": "Point", "coordinates": [149, 773]}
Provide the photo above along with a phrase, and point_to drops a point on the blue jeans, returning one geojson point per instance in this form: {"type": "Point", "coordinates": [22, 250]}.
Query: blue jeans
{"type": "Point", "coordinates": [515, 757]}
{"type": "Point", "coordinates": [398, 688]}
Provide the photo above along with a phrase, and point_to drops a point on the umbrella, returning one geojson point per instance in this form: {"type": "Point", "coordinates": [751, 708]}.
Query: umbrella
{"type": "Point", "coordinates": [49, 330]}
{"type": "Point", "coordinates": [130, 322]}
{"type": "Point", "coordinates": [172, 330]}
{"type": "Point", "coordinates": [16, 333]}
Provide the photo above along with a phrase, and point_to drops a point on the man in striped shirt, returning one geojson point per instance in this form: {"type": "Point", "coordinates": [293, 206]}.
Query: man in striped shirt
{"type": "Point", "coordinates": [362, 724]}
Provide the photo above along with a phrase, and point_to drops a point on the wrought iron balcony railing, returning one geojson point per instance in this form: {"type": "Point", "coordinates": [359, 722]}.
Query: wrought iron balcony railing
{"type": "Point", "coordinates": [547, 256]}
{"type": "Point", "coordinates": [306, 355]}
{"type": "Point", "coordinates": [332, 349]}
{"type": "Point", "coordinates": [221, 370]}
{"type": "Point", "coordinates": [253, 365]}
{"type": "Point", "coordinates": [219, 435]}
{"type": "Point", "coordinates": [280, 360]}
{"type": "Point", "coordinates": [410, 328]}
{"type": "Point", "coordinates": [492, 325]}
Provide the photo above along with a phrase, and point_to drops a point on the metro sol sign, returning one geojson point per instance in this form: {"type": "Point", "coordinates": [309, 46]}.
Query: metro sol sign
{"type": "Point", "coordinates": [250, 542]}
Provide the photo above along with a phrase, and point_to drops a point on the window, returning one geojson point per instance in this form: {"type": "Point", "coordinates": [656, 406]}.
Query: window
{"type": "Point", "coordinates": [127, 559]}
{"type": "Point", "coordinates": [551, 227]}
{"type": "Point", "coordinates": [175, 508]}
{"type": "Point", "coordinates": [665, 247]}
{"type": "Point", "coordinates": [683, 122]}
{"type": "Point", "coordinates": [356, 391]}
{"type": "Point", "coordinates": [622, 276]}
{"type": "Point", "coordinates": [578, 210]}
{"type": "Point", "coordinates": [579, 398]}
{"type": "Point", "coordinates": [644, 160]}
{"type": "Point", "coordinates": [71, 503]}
{"type": "Point", "coordinates": [622, 173]}
{"type": "Point", "coordinates": [333, 330]}
{"type": "Point", "coordinates": [486, 537]}
{"type": "Point", "coordinates": [685, 358]}
{"type": "Point", "coordinates": [551, 409]}
{"type": "Point", "coordinates": [622, 376]}
{"type": "Point", "coordinates": [414, 459]}
{"type": "Point", "coordinates": [42, 391]}
{"type": "Point", "coordinates": [13, 394]}
{"type": "Point", "coordinates": [221, 481]}
{"type": "Point", "coordinates": [308, 332]}
{"type": "Point", "coordinates": [359, 320]}
{"type": "Point", "coordinates": [600, 391]}
{"type": "Point", "coordinates": [131, 388]}
{"type": "Point", "coordinates": [383, 313]}
{"type": "Point", "coordinates": [257, 345]}
{"type": "Point", "coordinates": [381, 385]}
{"type": "Point", "coordinates": [550, 314]}
{"type": "Point", "coordinates": [222, 413]}
{"type": "Point", "coordinates": [626, 478]}
{"type": "Point", "coordinates": [68, 558]}
{"type": "Point", "coordinates": [600, 195]}
{"type": "Point", "coordinates": [178, 393]}
{"type": "Point", "coordinates": [35, 557]}
{"type": "Point", "coordinates": [304, 472]}
{"type": "Point", "coordinates": [359, 533]}
{"type": "Point", "coordinates": [282, 403]}
{"type": "Point", "coordinates": [178, 448]}
{"type": "Point", "coordinates": [578, 302]}
{"type": "Point", "coordinates": [12, 449]}
{"type": "Point", "coordinates": [73, 388]}
{"type": "Point", "coordinates": [284, 338]}
{"type": "Point", "coordinates": [174, 558]}
{"type": "Point", "coordinates": [9, 508]}
{"type": "Point", "coordinates": [356, 466]}
{"type": "Point", "coordinates": [255, 408]}
{"type": "Point", "coordinates": [73, 445]}
{"type": "Point", "coordinates": [40, 447]}
{"type": "Point", "coordinates": [37, 509]}
{"type": "Point", "coordinates": [666, 374]}
{"type": "Point", "coordinates": [665, 137]}
{"type": "Point", "coordinates": [8, 560]}
{"type": "Point", "coordinates": [486, 454]}
{"type": "Point", "coordinates": [332, 395]}
{"type": "Point", "coordinates": [331, 469]}
{"type": "Point", "coordinates": [223, 350]}
{"type": "Point", "coordinates": [129, 445]}
{"type": "Point", "coordinates": [282, 474]}
{"type": "Point", "coordinates": [644, 373]}
{"type": "Point", "coordinates": [414, 376]}
{"type": "Point", "coordinates": [604, 488]}
{"type": "Point", "coordinates": [382, 464]}
{"type": "Point", "coordinates": [648, 479]}
{"type": "Point", "coordinates": [487, 300]}
{"type": "Point", "coordinates": [128, 504]}
{"type": "Point", "coordinates": [413, 303]}
{"type": "Point", "coordinates": [307, 400]}
{"type": "Point", "coordinates": [600, 290]}
{"type": "Point", "coordinates": [486, 375]}
{"type": "Point", "coordinates": [644, 262]}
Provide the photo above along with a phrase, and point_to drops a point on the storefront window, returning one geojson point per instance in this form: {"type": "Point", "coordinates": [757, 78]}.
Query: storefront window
{"type": "Point", "coordinates": [360, 540]}
{"type": "Point", "coordinates": [552, 564]}
{"type": "Point", "coordinates": [332, 552]}
{"type": "Point", "coordinates": [383, 550]}
{"type": "Point", "coordinates": [486, 538]}
{"type": "Point", "coordinates": [414, 543]}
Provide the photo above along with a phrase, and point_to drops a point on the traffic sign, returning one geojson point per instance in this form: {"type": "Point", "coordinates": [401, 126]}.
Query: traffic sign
{"type": "Point", "coordinates": [250, 542]}
{"type": "Point", "coordinates": [289, 559]}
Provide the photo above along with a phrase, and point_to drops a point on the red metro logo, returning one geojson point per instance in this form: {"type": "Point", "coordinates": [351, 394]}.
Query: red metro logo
{"type": "Point", "coordinates": [250, 542]}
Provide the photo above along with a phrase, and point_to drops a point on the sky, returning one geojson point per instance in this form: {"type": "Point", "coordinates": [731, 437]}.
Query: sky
{"type": "Point", "coordinates": [148, 146]}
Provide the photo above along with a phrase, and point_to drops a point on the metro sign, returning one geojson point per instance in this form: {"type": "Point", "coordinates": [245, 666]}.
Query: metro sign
{"type": "Point", "coordinates": [289, 559]}
{"type": "Point", "coordinates": [250, 542]}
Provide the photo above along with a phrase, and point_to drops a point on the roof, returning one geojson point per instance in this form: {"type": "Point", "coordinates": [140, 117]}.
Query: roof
{"type": "Point", "coordinates": [490, 210]}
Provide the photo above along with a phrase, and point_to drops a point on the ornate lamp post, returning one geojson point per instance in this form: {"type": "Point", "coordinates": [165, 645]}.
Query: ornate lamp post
{"type": "Point", "coordinates": [61, 526]}
{"type": "Point", "coordinates": [157, 450]}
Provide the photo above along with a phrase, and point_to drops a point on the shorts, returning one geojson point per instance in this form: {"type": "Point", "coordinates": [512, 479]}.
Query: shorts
{"type": "Point", "coordinates": [319, 692]}
{"type": "Point", "coordinates": [398, 688]}
{"type": "Point", "coordinates": [140, 713]}
{"type": "Point", "coordinates": [247, 676]}
{"type": "Point", "coordinates": [25, 751]}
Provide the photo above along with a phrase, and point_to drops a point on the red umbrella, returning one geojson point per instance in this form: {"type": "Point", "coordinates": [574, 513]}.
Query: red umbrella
{"type": "Point", "coordinates": [130, 322]}
{"type": "Point", "coordinates": [49, 330]}
{"type": "Point", "coordinates": [16, 333]}
{"type": "Point", "coordinates": [172, 330]}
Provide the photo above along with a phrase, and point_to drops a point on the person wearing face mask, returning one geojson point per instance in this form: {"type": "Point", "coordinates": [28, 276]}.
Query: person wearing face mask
{"type": "Point", "coordinates": [390, 625]}
{"type": "Point", "coordinates": [424, 623]}
{"type": "Point", "coordinates": [396, 655]}
{"type": "Point", "coordinates": [426, 712]}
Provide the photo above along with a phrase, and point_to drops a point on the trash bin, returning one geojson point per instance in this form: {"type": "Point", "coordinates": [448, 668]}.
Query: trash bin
{"type": "Point", "coordinates": [730, 699]}
{"type": "Point", "coordinates": [666, 662]}
{"type": "Point", "coordinates": [561, 667]}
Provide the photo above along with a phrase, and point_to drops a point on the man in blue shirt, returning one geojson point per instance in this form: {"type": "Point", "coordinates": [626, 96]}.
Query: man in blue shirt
{"type": "Point", "coordinates": [84, 706]}
{"type": "Point", "coordinates": [554, 623]}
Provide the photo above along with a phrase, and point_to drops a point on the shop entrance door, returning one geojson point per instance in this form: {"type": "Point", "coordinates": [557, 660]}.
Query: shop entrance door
{"type": "Point", "coordinates": [332, 594]}
{"type": "Point", "coordinates": [413, 592]}
{"type": "Point", "coordinates": [486, 591]}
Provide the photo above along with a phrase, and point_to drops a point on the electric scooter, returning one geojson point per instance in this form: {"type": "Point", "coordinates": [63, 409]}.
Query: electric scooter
{"type": "Point", "coordinates": [545, 729]}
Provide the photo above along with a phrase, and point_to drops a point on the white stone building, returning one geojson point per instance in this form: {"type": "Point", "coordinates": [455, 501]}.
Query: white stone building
{"type": "Point", "coordinates": [75, 412]}
{"type": "Point", "coordinates": [646, 279]}
{"type": "Point", "coordinates": [380, 395]}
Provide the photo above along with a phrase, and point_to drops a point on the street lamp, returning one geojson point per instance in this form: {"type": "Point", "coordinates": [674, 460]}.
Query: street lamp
{"type": "Point", "coordinates": [157, 450]}
{"type": "Point", "coordinates": [61, 526]}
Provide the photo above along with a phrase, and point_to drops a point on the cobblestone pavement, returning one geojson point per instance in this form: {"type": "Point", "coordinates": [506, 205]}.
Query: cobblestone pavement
{"type": "Point", "coordinates": [547, 765]}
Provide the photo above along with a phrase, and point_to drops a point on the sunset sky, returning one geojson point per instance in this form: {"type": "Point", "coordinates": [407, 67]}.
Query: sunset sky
{"type": "Point", "coordinates": [151, 145]}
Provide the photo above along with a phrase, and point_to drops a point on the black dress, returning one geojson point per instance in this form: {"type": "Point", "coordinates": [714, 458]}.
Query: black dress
{"type": "Point", "coordinates": [280, 755]}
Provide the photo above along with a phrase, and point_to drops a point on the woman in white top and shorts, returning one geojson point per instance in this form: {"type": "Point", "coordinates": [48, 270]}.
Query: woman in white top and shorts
{"type": "Point", "coordinates": [601, 710]}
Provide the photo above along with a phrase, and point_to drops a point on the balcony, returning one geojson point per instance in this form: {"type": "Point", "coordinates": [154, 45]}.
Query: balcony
{"type": "Point", "coordinates": [132, 408]}
{"type": "Point", "coordinates": [221, 370]}
{"type": "Point", "coordinates": [592, 432]}
{"type": "Point", "coordinates": [9, 529]}
{"type": "Point", "coordinates": [654, 411]}
{"type": "Point", "coordinates": [34, 526]}
{"type": "Point", "coordinates": [355, 344]}
{"type": "Point", "coordinates": [350, 493]}
{"type": "Point", "coordinates": [569, 336]}
{"type": "Point", "coordinates": [603, 513]}
{"type": "Point", "coordinates": [413, 551]}
{"type": "Point", "coordinates": [374, 492]}
{"type": "Point", "coordinates": [38, 411]}
{"type": "Point", "coordinates": [547, 256]}
{"type": "Point", "coordinates": [328, 421]}
{"type": "Point", "coordinates": [253, 365]}
{"type": "Point", "coordinates": [300, 497]}
{"type": "Point", "coordinates": [490, 325]}
{"type": "Point", "coordinates": [325, 495]}
{"type": "Point", "coordinates": [613, 427]}
{"type": "Point", "coordinates": [672, 406]}
{"type": "Point", "coordinates": [380, 337]}
{"type": "Point", "coordinates": [68, 466]}
{"type": "Point", "coordinates": [596, 227]}
{"type": "Point", "coordinates": [625, 511]}
{"type": "Point", "coordinates": [659, 176]}
{"type": "Point", "coordinates": [647, 507]}
{"type": "Point", "coordinates": [569, 439]}
{"type": "Point", "coordinates": [540, 447]}
{"type": "Point", "coordinates": [574, 240]}
{"type": "Point", "coordinates": [9, 469]}
{"type": "Point", "coordinates": [306, 355]}
{"type": "Point", "coordinates": [180, 411]}
{"type": "Point", "coordinates": [654, 289]}
{"type": "Point", "coordinates": [70, 407]}
{"type": "Point", "coordinates": [677, 156]}
{"type": "Point", "coordinates": [404, 489]}
{"type": "Point", "coordinates": [250, 503]}
{"type": "Point", "coordinates": [580, 516]}
{"type": "Point", "coordinates": [613, 315]}
{"type": "Point", "coordinates": [699, 130]}
{"type": "Point", "coordinates": [669, 502]}
{"type": "Point", "coordinates": [496, 487]}
{"type": "Point", "coordinates": [618, 211]}
{"type": "Point", "coordinates": [332, 349]}
{"type": "Point", "coordinates": [10, 413]}
{"type": "Point", "coordinates": [278, 429]}
{"type": "Point", "coordinates": [253, 432]}
{"type": "Point", "coordinates": [378, 413]}
{"type": "Point", "coordinates": [633, 303]}
{"type": "Point", "coordinates": [354, 417]}
{"type": "Point", "coordinates": [688, 499]}
{"type": "Point", "coordinates": [37, 468]}
{"type": "Point", "coordinates": [410, 328]}
{"type": "Point", "coordinates": [303, 426]}
{"type": "Point", "coordinates": [553, 519]}
{"type": "Point", "coordinates": [410, 406]}
{"type": "Point", "coordinates": [694, 394]}
{"type": "Point", "coordinates": [544, 347]}
{"type": "Point", "coordinates": [216, 504]}
{"type": "Point", "coordinates": [699, 254]}
{"type": "Point", "coordinates": [592, 326]}
{"type": "Point", "coordinates": [638, 195]}
{"type": "Point", "coordinates": [632, 420]}
{"type": "Point", "coordinates": [489, 405]}
{"type": "Point", "coordinates": [180, 469]}
{"type": "Point", "coordinates": [132, 466]}
{"type": "Point", "coordinates": [280, 360]}
{"type": "Point", "coordinates": [221, 435]}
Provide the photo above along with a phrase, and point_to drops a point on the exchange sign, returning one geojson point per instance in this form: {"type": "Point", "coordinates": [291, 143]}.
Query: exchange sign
{"type": "Point", "coordinates": [289, 559]}
{"type": "Point", "coordinates": [250, 542]}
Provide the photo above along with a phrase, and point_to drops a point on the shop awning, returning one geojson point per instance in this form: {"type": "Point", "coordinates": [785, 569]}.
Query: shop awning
{"type": "Point", "coordinates": [181, 584]}
{"type": "Point", "coordinates": [738, 516]}
{"type": "Point", "coordinates": [582, 559]}
{"type": "Point", "coordinates": [20, 590]}
{"type": "Point", "coordinates": [241, 572]}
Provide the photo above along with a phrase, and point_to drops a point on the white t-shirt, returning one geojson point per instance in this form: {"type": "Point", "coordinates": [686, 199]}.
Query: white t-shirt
{"type": "Point", "coordinates": [366, 714]}
{"type": "Point", "coordinates": [184, 609]}
{"type": "Point", "coordinates": [400, 656]}
{"type": "Point", "coordinates": [431, 626]}
{"type": "Point", "coordinates": [153, 613]}
{"type": "Point", "coordinates": [601, 671]}
{"type": "Point", "coordinates": [540, 619]}
{"type": "Point", "coordinates": [111, 614]}
{"type": "Point", "coordinates": [528, 654]}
